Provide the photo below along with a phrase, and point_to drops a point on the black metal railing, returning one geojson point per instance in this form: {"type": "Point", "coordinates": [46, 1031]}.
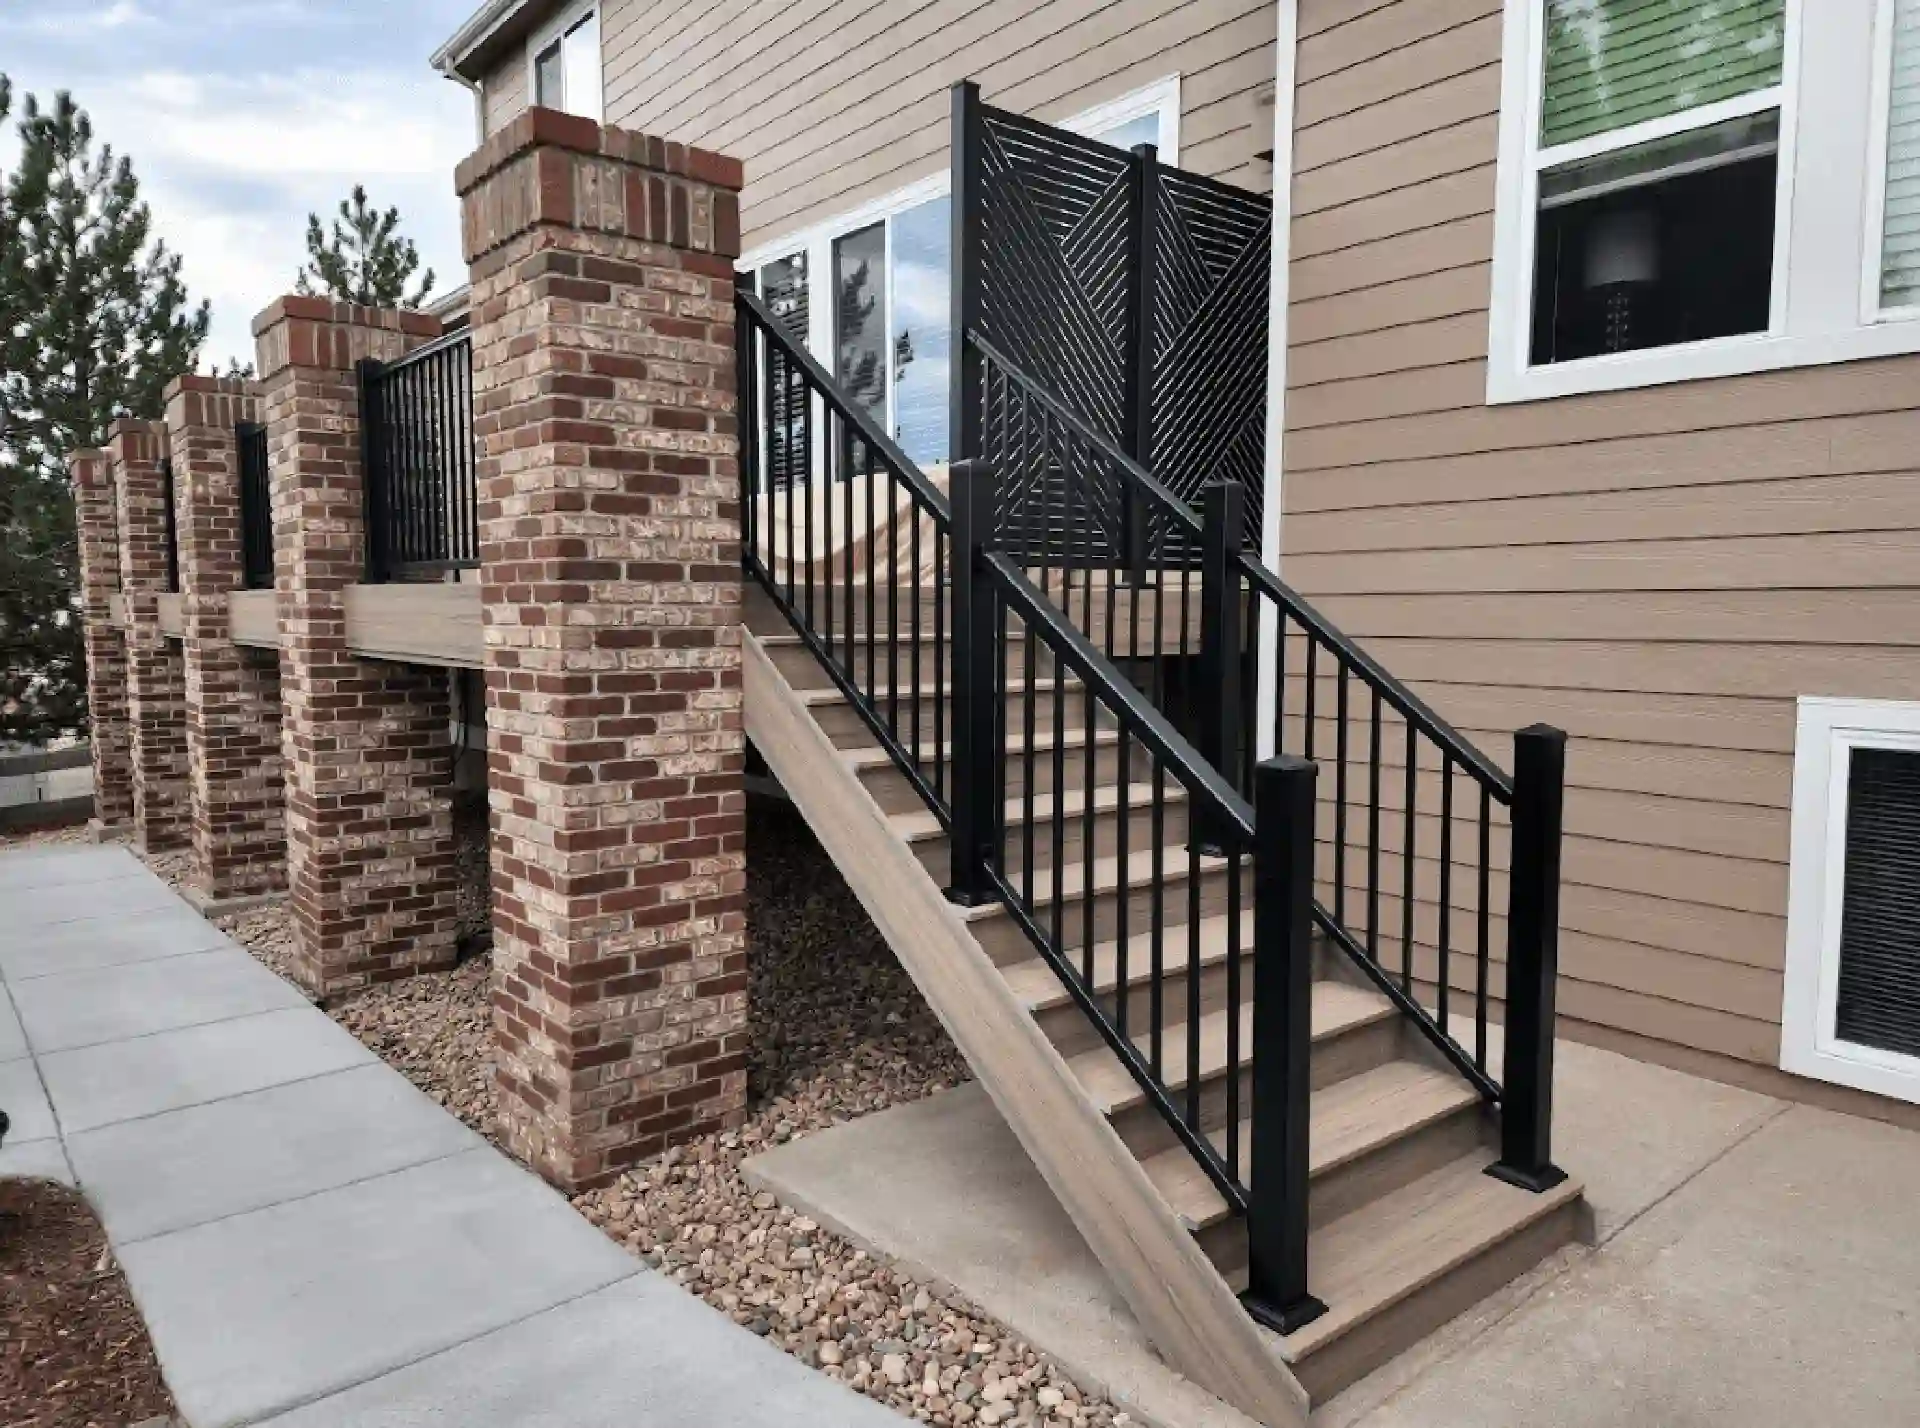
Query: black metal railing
{"type": "Point", "coordinates": [416, 425]}
{"type": "Point", "coordinates": [1410, 814]}
{"type": "Point", "coordinates": [256, 507]}
{"type": "Point", "coordinates": [856, 559]}
{"type": "Point", "coordinates": [172, 526]}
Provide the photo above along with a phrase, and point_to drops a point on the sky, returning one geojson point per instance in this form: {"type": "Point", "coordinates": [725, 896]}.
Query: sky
{"type": "Point", "coordinates": [242, 116]}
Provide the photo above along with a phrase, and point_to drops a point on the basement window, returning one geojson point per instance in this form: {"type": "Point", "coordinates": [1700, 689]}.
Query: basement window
{"type": "Point", "coordinates": [564, 60]}
{"type": "Point", "coordinates": [1690, 189]}
{"type": "Point", "coordinates": [1852, 1004]}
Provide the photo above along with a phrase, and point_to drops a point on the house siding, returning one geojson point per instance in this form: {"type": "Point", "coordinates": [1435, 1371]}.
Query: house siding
{"type": "Point", "coordinates": [1660, 572]}
{"type": "Point", "coordinates": [503, 93]}
{"type": "Point", "coordinates": [832, 103]}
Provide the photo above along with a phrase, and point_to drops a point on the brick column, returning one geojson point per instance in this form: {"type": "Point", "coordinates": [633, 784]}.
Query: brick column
{"type": "Point", "coordinates": [237, 781]}
{"type": "Point", "coordinates": [156, 668]}
{"type": "Point", "coordinates": [604, 375]}
{"type": "Point", "coordinates": [97, 520]}
{"type": "Point", "coordinates": [369, 760]}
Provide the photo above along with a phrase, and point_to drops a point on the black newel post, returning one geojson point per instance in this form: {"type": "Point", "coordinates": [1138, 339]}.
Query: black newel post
{"type": "Point", "coordinates": [963, 397]}
{"type": "Point", "coordinates": [1216, 702]}
{"type": "Point", "coordinates": [1533, 961]}
{"type": "Point", "coordinates": [1282, 1045]}
{"type": "Point", "coordinates": [1137, 403]}
{"type": "Point", "coordinates": [975, 697]}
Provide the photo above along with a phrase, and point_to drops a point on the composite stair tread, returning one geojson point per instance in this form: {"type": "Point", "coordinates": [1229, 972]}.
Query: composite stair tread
{"type": "Point", "coordinates": [1393, 1247]}
{"type": "Point", "coordinates": [1338, 1007]}
{"type": "Point", "coordinates": [922, 824]}
{"type": "Point", "coordinates": [1349, 1119]}
{"type": "Point", "coordinates": [829, 694]}
{"type": "Point", "coordinates": [1038, 987]}
{"type": "Point", "coordinates": [1175, 862]}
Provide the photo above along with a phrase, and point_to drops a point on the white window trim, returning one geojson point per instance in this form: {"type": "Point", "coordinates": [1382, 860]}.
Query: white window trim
{"type": "Point", "coordinates": [816, 241]}
{"type": "Point", "coordinates": [556, 27]}
{"type": "Point", "coordinates": [1825, 237]}
{"type": "Point", "coordinates": [1828, 731]}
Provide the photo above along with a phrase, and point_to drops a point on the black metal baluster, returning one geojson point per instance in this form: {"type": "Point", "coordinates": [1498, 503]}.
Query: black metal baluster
{"type": "Point", "coordinates": [1234, 1059]}
{"type": "Point", "coordinates": [1373, 833]}
{"type": "Point", "coordinates": [1156, 983]}
{"type": "Point", "coordinates": [1409, 840]}
{"type": "Point", "coordinates": [1340, 799]}
{"type": "Point", "coordinates": [1446, 884]}
{"type": "Point", "coordinates": [1480, 955]}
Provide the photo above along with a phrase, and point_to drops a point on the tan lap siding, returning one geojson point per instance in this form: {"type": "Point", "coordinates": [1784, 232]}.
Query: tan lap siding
{"type": "Point", "coordinates": [832, 103]}
{"type": "Point", "coordinates": [504, 92]}
{"type": "Point", "coordinates": [1659, 572]}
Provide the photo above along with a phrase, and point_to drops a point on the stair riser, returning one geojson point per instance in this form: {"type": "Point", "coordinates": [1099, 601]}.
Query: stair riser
{"type": "Point", "coordinates": [1368, 1345]}
{"type": "Point", "coordinates": [1335, 1058]}
{"type": "Point", "coordinates": [890, 789]}
{"type": "Point", "coordinates": [848, 730]}
{"type": "Point", "coordinates": [802, 671]}
{"type": "Point", "coordinates": [1342, 1189]}
{"type": "Point", "coordinates": [1005, 942]}
{"type": "Point", "coordinates": [933, 853]}
{"type": "Point", "coordinates": [1068, 1028]}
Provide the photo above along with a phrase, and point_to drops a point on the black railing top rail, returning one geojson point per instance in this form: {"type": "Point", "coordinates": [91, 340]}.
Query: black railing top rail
{"type": "Point", "coordinates": [897, 462]}
{"type": "Point", "coordinates": [460, 337]}
{"type": "Point", "coordinates": [1408, 704]}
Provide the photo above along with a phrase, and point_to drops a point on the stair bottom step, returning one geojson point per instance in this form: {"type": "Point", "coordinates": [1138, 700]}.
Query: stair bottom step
{"type": "Point", "coordinates": [1395, 1270]}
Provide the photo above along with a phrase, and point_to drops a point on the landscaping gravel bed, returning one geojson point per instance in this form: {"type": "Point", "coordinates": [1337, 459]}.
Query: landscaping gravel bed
{"type": "Point", "coordinates": [839, 1031]}
{"type": "Point", "coordinates": [74, 1352]}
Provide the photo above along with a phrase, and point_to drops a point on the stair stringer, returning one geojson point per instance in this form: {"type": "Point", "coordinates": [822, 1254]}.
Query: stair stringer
{"type": "Point", "coordinates": [1187, 1309]}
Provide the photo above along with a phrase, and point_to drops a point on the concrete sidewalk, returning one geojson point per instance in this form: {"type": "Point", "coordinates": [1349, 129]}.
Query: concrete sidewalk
{"type": "Point", "coordinates": [312, 1241]}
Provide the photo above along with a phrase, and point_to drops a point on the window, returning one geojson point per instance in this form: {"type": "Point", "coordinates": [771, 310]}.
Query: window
{"type": "Point", "coordinates": [1852, 995]}
{"type": "Point", "coordinates": [1698, 188]}
{"type": "Point", "coordinates": [887, 325]}
{"type": "Point", "coordinates": [565, 62]}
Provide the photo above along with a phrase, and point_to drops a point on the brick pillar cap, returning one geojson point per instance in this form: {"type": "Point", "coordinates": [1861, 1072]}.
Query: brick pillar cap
{"type": "Point", "coordinates": [83, 457]}
{"type": "Point", "coordinates": [318, 309]}
{"type": "Point", "coordinates": [123, 427]}
{"type": "Point", "coordinates": [550, 129]}
{"type": "Point", "coordinates": [210, 386]}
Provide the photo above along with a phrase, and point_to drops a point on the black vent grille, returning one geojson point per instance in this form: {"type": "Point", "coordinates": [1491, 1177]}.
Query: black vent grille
{"type": "Point", "coordinates": [1879, 994]}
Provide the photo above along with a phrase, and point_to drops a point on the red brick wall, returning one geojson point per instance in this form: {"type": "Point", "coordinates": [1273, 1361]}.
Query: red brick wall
{"type": "Point", "coordinates": [604, 374]}
{"type": "Point", "coordinates": [237, 781]}
{"type": "Point", "coordinates": [98, 521]}
{"type": "Point", "coordinates": [156, 668]}
{"type": "Point", "coordinates": [369, 825]}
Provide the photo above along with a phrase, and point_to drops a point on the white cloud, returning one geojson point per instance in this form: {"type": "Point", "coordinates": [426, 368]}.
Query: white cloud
{"type": "Point", "coordinates": [66, 24]}
{"type": "Point", "coordinates": [231, 167]}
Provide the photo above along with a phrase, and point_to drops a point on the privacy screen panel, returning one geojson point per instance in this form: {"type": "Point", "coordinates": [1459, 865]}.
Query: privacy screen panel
{"type": "Point", "coordinates": [1612, 63]}
{"type": "Point", "coordinates": [1879, 1001]}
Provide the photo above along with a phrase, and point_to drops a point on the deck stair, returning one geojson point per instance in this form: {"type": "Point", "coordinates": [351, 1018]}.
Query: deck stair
{"type": "Point", "coordinates": [1120, 928]}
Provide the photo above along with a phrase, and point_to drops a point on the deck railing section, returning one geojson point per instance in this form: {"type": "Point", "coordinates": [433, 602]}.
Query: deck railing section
{"type": "Point", "coordinates": [422, 500]}
{"type": "Point", "coordinates": [256, 507]}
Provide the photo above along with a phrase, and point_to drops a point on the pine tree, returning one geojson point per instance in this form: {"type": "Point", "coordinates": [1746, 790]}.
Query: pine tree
{"type": "Point", "coordinates": [94, 321]}
{"type": "Point", "coordinates": [363, 259]}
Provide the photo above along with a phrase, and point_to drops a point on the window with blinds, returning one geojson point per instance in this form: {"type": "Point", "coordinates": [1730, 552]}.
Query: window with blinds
{"type": "Point", "coordinates": [1610, 64]}
{"type": "Point", "coordinates": [1878, 999]}
{"type": "Point", "coordinates": [1900, 220]}
{"type": "Point", "coordinates": [1653, 234]}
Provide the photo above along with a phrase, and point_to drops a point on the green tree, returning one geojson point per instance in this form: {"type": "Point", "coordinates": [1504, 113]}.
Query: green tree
{"type": "Point", "coordinates": [363, 258]}
{"type": "Point", "coordinates": [94, 321]}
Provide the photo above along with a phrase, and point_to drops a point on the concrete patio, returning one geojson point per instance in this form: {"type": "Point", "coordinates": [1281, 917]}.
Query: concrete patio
{"type": "Point", "coordinates": [1755, 1264]}
{"type": "Point", "coordinates": [311, 1240]}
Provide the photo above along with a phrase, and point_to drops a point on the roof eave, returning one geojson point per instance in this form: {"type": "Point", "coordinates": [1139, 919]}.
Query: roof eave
{"type": "Point", "coordinates": [455, 57]}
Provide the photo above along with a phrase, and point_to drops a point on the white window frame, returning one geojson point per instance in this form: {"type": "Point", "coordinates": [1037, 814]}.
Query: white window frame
{"type": "Point", "coordinates": [1828, 731]}
{"type": "Point", "coordinates": [1825, 237]}
{"type": "Point", "coordinates": [555, 29]}
{"type": "Point", "coordinates": [1161, 97]}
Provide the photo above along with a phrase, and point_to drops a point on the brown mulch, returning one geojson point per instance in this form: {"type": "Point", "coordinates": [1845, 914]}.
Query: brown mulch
{"type": "Point", "coordinates": [73, 1350]}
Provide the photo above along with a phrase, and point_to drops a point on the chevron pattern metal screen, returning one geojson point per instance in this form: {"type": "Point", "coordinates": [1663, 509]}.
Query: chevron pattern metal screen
{"type": "Point", "coordinates": [1132, 294]}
